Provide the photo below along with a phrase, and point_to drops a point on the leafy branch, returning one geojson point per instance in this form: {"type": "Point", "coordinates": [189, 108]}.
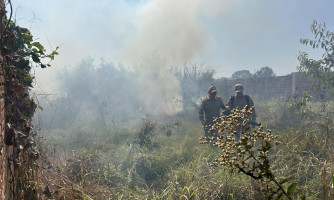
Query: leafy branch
{"type": "Point", "coordinates": [322, 69]}
{"type": "Point", "coordinates": [25, 46]}
{"type": "Point", "coordinates": [249, 154]}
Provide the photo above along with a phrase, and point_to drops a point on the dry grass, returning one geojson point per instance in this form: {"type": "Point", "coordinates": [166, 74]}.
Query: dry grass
{"type": "Point", "coordinates": [100, 168]}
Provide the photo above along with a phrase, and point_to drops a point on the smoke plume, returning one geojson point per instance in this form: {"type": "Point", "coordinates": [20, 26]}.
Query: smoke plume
{"type": "Point", "coordinates": [169, 33]}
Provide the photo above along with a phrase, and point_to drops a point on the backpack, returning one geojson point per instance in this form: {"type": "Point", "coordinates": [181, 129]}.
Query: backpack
{"type": "Point", "coordinates": [233, 97]}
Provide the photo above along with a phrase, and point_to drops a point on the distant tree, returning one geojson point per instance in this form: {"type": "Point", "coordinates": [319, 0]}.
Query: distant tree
{"type": "Point", "coordinates": [100, 93]}
{"type": "Point", "coordinates": [322, 69]}
{"type": "Point", "coordinates": [264, 72]}
{"type": "Point", "coordinates": [242, 74]}
{"type": "Point", "coordinates": [194, 82]}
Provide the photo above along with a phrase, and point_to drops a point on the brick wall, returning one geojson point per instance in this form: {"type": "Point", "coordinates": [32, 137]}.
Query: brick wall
{"type": "Point", "coordinates": [3, 163]}
{"type": "Point", "coordinates": [6, 177]}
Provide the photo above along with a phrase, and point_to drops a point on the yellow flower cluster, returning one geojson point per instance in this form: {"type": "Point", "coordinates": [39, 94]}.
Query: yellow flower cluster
{"type": "Point", "coordinates": [242, 148]}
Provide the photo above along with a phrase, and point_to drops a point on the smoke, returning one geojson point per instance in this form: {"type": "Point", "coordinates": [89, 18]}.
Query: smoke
{"type": "Point", "coordinates": [163, 35]}
{"type": "Point", "coordinates": [168, 33]}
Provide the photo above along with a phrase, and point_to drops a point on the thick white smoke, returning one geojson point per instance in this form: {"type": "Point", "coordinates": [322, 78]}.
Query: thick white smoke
{"type": "Point", "coordinates": [169, 33]}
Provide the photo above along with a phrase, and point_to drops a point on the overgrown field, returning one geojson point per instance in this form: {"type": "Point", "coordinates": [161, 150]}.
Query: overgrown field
{"type": "Point", "coordinates": [161, 158]}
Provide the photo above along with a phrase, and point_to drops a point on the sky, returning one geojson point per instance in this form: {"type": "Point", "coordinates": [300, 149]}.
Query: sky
{"type": "Point", "coordinates": [227, 35]}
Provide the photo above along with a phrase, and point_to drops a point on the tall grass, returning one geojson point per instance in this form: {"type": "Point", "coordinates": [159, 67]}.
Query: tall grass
{"type": "Point", "coordinates": [102, 163]}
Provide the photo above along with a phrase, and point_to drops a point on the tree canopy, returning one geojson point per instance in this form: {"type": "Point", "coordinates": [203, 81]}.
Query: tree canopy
{"type": "Point", "coordinates": [264, 72]}
{"type": "Point", "coordinates": [242, 74]}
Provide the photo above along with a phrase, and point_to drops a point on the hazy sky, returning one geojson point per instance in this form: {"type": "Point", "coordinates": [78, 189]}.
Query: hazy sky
{"type": "Point", "coordinates": [229, 35]}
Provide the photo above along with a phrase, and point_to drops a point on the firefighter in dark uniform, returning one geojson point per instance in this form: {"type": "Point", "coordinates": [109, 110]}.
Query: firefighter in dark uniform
{"type": "Point", "coordinates": [209, 109]}
{"type": "Point", "coordinates": [239, 100]}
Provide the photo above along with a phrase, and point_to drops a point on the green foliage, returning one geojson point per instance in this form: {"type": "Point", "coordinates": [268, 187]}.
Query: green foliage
{"type": "Point", "coordinates": [261, 73]}
{"type": "Point", "coordinates": [321, 69]}
{"type": "Point", "coordinates": [291, 188]}
{"type": "Point", "coordinates": [30, 108]}
{"type": "Point", "coordinates": [264, 72]}
{"type": "Point", "coordinates": [250, 153]}
{"type": "Point", "coordinates": [19, 51]}
{"type": "Point", "coordinates": [25, 46]}
{"type": "Point", "coordinates": [300, 105]}
{"type": "Point", "coordinates": [242, 74]}
{"type": "Point", "coordinates": [145, 136]}
{"type": "Point", "coordinates": [180, 169]}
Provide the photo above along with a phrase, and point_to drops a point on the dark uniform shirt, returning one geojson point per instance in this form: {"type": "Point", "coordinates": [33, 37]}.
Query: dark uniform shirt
{"type": "Point", "coordinates": [209, 109]}
{"type": "Point", "coordinates": [241, 102]}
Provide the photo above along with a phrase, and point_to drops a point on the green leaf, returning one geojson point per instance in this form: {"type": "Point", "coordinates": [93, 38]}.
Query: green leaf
{"type": "Point", "coordinates": [28, 80]}
{"type": "Point", "coordinates": [24, 30]}
{"type": "Point", "coordinates": [35, 58]}
{"type": "Point", "coordinates": [55, 52]}
{"type": "Point", "coordinates": [22, 64]}
{"type": "Point", "coordinates": [279, 196]}
{"type": "Point", "coordinates": [38, 45]}
{"type": "Point", "coordinates": [291, 188]}
{"type": "Point", "coordinates": [26, 38]}
{"type": "Point", "coordinates": [285, 180]}
{"type": "Point", "coordinates": [266, 164]}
